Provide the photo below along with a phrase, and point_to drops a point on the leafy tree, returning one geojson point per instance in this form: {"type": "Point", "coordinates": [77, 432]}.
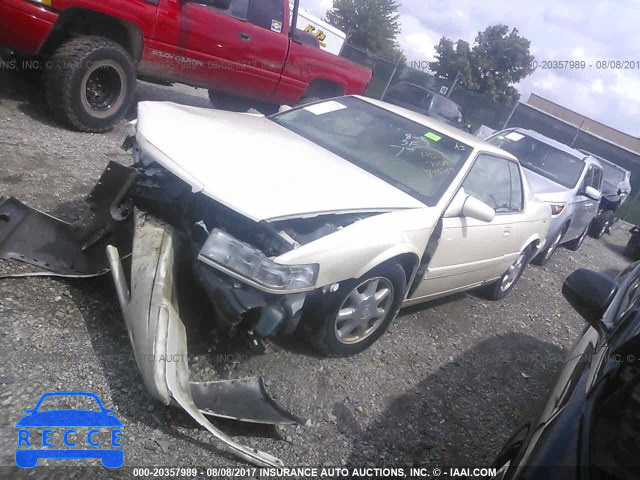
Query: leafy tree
{"type": "Point", "coordinates": [372, 25]}
{"type": "Point", "coordinates": [499, 59]}
{"type": "Point", "coordinates": [452, 59]}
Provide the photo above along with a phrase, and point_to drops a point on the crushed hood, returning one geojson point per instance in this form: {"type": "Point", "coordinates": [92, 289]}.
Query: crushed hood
{"type": "Point", "coordinates": [256, 167]}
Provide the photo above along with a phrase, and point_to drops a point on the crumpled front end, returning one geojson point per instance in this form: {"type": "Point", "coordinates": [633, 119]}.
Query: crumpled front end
{"type": "Point", "coordinates": [128, 215]}
{"type": "Point", "coordinates": [159, 340]}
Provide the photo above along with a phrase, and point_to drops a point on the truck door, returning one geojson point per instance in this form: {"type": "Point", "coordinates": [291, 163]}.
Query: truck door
{"type": "Point", "coordinates": [243, 47]}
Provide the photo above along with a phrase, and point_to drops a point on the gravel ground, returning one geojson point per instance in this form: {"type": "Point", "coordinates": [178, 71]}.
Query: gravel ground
{"type": "Point", "coordinates": [445, 386]}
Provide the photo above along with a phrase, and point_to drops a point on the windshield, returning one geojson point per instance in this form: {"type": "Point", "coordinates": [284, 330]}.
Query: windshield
{"type": "Point", "coordinates": [612, 174]}
{"type": "Point", "coordinates": [419, 160]}
{"type": "Point", "coordinates": [548, 161]}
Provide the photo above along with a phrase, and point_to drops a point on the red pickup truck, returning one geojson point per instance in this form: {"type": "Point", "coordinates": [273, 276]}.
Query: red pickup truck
{"type": "Point", "coordinates": [246, 53]}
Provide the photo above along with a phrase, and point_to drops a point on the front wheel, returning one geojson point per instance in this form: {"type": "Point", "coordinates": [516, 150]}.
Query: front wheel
{"type": "Point", "coordinates": [575, 244]}
{"type": "Point", "coordinates": [90, 83]}
{"type": "Point", "coordinates": [500, 288]}
{"type": "Point", "coordinates": [358, 313]}
{"type": "Point", "coordinates": [601, 224]}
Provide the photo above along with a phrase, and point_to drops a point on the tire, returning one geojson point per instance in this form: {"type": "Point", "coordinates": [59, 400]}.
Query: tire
{"type": "Point", "coordinates": [500, 288]}
{"type": "Point", "coordinates": [306, 100]}
{"type": "Point", "coordinates": [601, 224]}
{"type": "Point", "coordinates": [544, 256]}
{"type": "Point", "coordinates": [224, 101]}
{"type": "Point", "coordinates": [632, 250]}
{"type": "Point", "coordinates": [323, 328]}
{"type": "Point", "coordinates": [576, 243]}
{"type": "Point", "coordinates": [91, 83]}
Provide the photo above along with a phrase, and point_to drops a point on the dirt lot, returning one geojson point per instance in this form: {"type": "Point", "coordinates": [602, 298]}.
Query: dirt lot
{"type": "Point", "coordinates": [445, 386]}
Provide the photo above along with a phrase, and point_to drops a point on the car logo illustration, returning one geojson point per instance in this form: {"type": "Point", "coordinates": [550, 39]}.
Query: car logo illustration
{"type": "Point", "coordinates": [58, 428]}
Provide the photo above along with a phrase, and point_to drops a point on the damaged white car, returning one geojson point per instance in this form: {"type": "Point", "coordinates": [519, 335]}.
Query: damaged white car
{"type": "Point", "coordinates": [326, 219]}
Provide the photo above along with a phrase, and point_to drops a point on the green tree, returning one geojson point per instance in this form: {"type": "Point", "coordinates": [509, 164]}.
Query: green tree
{"type": "Point", "coordinates": [452, 59]}
{"type": "Point", "coordinates": [372, 25]}
{"type": "Point", "coordinates": [499, 59]}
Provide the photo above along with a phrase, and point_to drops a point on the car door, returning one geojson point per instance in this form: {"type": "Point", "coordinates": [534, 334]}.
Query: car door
{"type": "Point", "coordinates": [471, 251]}
{"type": "Point", "coordinates": [243, 47]}
{"type": "Point", "coordinates": [584, 207]}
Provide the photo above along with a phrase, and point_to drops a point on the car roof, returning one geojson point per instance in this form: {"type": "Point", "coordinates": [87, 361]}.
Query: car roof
{"type": "Point", "coordinates": [604, 160]}
{"type": "Point", "coordinates": [550, 141]}
{"type": "Point", "coordinates": [442, 127]}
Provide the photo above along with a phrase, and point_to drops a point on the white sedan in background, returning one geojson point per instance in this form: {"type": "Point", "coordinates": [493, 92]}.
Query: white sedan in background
{"type": "Point", "coordinates": [342, 212]}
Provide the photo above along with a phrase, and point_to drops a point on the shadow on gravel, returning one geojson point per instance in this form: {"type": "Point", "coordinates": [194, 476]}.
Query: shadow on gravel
{"type": "Point", "coordinates": [492, 388]}
{"type": "Point", "coordinates": [27, 89]}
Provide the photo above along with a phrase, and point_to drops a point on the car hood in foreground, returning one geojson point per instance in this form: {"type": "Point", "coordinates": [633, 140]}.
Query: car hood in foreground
{"type": "Point", "coordinates": [545, 189]}
{"type": "Point", "coordinates": [256, 167]}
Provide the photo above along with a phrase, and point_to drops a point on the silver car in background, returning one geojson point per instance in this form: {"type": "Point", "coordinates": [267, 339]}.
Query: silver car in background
{"type": "Point", "coordinates": [569, 180]}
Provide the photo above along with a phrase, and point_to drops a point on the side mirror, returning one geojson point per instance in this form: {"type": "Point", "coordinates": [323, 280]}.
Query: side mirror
{"type": "Point", "coordinates": [464, 205]}
{"type": "Point", "coordinates": [592, 193]}
{"type": "Point", "coordinates": [474, 208]}
{"type": "Point", "coordinates": [590, 294]}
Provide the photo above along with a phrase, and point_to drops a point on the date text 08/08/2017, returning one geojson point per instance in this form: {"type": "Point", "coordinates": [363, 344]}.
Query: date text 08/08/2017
{"type": "Point", "coordinates": [316, 472]}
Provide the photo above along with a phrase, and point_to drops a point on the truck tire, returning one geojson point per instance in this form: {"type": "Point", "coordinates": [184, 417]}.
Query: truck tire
{"type": "Point", "coordinates": [91, 83]}
{"type": "Point", "coordinates": [601, 224]}
{"type": "Point", "coordinates": [226, 101]}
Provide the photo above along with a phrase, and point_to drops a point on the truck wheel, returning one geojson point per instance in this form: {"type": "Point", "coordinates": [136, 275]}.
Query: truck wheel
{"type": "Point", "coordinates": [91, 83]}
{"type": "Point", "coordinates": [231, 103]}
{"type": "Point", "coordinates": [601, 224]}
{"type": "Point", "coordinates": [358, 313]}
{"type": "Point", "coordinates": [306, 100]}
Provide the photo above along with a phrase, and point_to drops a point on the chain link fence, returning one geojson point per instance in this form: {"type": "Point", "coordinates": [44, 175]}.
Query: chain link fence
{"type": "Point", "coordinates": [478, 109]}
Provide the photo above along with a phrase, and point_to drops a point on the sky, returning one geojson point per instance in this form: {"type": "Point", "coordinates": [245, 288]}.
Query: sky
{"type": "Point", "coordinates": [589, 30]}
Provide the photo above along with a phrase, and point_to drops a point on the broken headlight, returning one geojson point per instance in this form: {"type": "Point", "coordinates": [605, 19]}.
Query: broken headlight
{"type": "Point", "coordinates": [226, 253]}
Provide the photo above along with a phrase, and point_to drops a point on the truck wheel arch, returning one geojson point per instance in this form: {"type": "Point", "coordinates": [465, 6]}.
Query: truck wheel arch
{"type": "Point", "coordinates": [81, 21]}
{"type": "Point", "coordinates": [321, 88]}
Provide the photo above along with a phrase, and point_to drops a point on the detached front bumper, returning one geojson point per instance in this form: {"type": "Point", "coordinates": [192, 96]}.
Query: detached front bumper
{"type": "Point", "coordinates": [158, 338]}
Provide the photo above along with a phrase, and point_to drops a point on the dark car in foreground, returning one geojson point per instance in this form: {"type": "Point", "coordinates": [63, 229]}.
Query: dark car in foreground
{"type": "Point", "coordinates": [590, 425]}
{"type": "Point", "coordinates": [425, 101]}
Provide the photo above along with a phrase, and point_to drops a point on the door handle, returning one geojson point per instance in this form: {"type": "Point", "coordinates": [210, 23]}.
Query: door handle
{"type": "Point", "coordinates": [245, 36]}
{"type": "Point", "coordinates": [507, 231]}
{"type": "Point", "coordinates": [588, 205]}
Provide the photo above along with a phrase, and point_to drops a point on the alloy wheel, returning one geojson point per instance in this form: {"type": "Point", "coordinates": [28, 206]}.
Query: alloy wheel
{"type": "Point", "coordinates": [364, 310]}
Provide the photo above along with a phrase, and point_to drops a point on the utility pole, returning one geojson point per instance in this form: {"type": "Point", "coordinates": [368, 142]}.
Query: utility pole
{"type": "Point", "coordinates": [577, 133]}
{"type": "Point", "coordinates": [393, 74]}
{"type": "Point", "coordinates": [513, 110]}
{"type": "Point", "coordinates": [453, 85]}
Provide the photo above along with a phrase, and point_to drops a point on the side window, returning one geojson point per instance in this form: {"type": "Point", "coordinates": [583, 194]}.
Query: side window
{"type": "Point", "coordinates": [517, 194]}
{"type": "Point", "coordinates": [597, 178]}
{"type": "Point", "coordinates": [489, 180]}
{"type": "Point", "coordinates": [238, 9]}
{"type": "Point", "coordinates": [267, 14]}
{"type": "Point", "coordinates": [588, 178]}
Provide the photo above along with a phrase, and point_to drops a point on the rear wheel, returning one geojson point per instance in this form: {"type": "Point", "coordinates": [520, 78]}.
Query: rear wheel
{"type": "Point", "coordinates": [91, 83]}
{"type": "Point", "coordinates": [500, 288]}
{"type": "Point", "coordinates": [632, 250]}
{"type": "Point", "coordinates": [544, 256]}
{"type": "Point", "coordinates": [601, 224]}
{"type": "Point", "coordinates": [358, 313]}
